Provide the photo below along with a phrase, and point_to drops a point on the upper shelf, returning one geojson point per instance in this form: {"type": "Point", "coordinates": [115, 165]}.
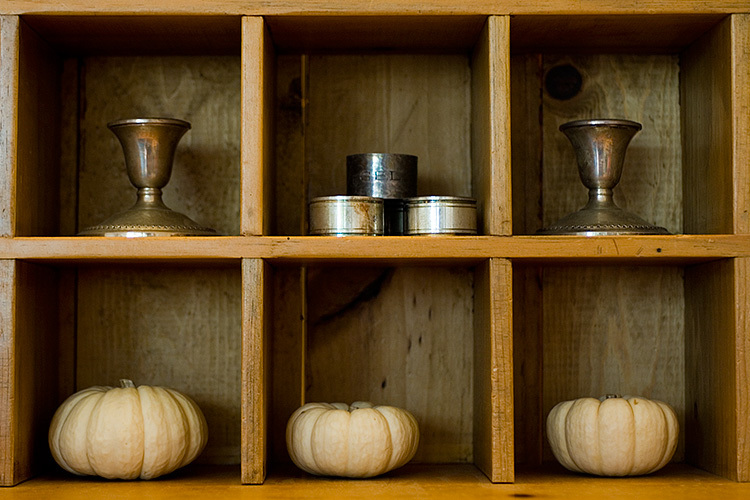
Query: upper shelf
{"type": "Point", "coordinates": [389, 250]}
{"type": "Point", "coordinates": [367, 7]}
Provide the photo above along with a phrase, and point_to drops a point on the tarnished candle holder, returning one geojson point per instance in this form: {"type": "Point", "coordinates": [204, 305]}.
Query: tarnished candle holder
{"type": "Point", "coordinates": [600, 147]}
{"type": "Point", "coordinates": [149, 145]}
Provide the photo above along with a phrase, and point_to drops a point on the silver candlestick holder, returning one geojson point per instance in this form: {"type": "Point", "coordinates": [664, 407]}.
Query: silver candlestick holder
{"type": "Point", "coordinates": [600, 147]}
{"type": "Point", "coordinates": [149, 145]}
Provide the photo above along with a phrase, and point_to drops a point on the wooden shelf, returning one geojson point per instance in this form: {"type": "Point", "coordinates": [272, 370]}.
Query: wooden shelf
{"type": "Point", "coordinates": [682, 249]}
{"type": "Point", "coordinates": [364, 7]}
{"type": "Point", "coordinates": [678, 482]}
{"type": "Point", "coordinates": [506, 323]}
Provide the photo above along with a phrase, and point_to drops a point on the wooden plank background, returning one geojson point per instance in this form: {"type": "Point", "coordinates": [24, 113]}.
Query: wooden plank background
{"type": "Point", "coordinates": [172, 327]}
{"type": "Point", "coordinates": [414, 104]}
{"type": "Point", "coordinates": [407, 341]}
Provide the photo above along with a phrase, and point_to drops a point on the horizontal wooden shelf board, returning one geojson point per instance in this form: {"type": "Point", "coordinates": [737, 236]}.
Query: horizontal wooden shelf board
{"type": "Point", "coordinates": [313, 7]}
{"type": "Point", "coordinates": [387, 249]}
{"type": "Point", "coordinates": [412, 481]}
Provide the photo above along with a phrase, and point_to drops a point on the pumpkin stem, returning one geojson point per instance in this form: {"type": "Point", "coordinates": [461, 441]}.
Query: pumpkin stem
{"type": "Point", "coordinates": [126, 384]}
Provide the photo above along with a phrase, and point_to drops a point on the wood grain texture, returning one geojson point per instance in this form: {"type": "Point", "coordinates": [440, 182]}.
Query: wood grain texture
{"type": "Point", "coordinates": [386, 7]}
{"type": "Point", "coordinates": [742, 347]}
{"type": "Point", "coordinates": [9, 50]}
{"type": "Point", "coordinates": [526, 142]}
{"type": "Point", "coordinates": [493, 370]}
{"type": "Point", "coordinates": [174, 327]}
{"type": "Point", "coordinates": [256, 316]}
{"type": "Point", "coordinates": [287, 356]}
{"type": "Point", "coordinates": [490, 127]}
{"type": "Point", "coordinates": [28, 342]}
{"type": "Point", "coordinates": [381, 250]}
{"type": "Point", "coordinates": [640, 88]}
{"type": "Point", "coordinates": [711, 342]}
{"type": "Point", "coordinates": [36, 191]}
{"type": "Point", "coordinates": [123, 35]}
{"type": "Point", "coordinates": [632, 33]}
{"type": "Point", "coordinates": [414, 104]}
{"type": "Point", "coordinates": [442, 482]}
{"type": "Point", "coordinates": [741, 122]}
{"type": "Point", "coordinates": [8, 375]}
{"type": "Point", "coordinates": [406, 341]}
{"type": "Point", "coordinates": [205, 91]}
{"type": "Point", "coordinates": [70, 114]}
{"type": "Point", "coordinates": [707, 102]}
{"type": "Point", "coordinates": [742, 375]}
{"type": "Point", "coordinates": [258, 73]}
{"type": "Point", "coordinates": [528, 364]}
{"type": "Point", "coordinates": [290, 179]}
{"type": "Point", "coordinates": [337, 33]}
{"type": "Point", "coordinates": [615, 330]}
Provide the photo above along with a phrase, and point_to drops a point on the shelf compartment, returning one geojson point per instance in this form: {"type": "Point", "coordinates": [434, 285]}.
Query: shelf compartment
{"type": "Point", "coordinates": [442, 98]}
{"type": "Point", "coordinates": [666, 332]}
{"type": "Point", "coordinates": [421, 338]}
{"type": "Point", "coordinates": [70, 82]}
{"type": "Point", "coordinates": [684, 79]}
{"type": "Point", "coordinates": [73, 327]}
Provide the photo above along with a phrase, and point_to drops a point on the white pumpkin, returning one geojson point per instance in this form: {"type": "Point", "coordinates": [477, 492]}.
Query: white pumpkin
{"type": "Point", "coordinates": [613, 436]}
{"type": "Point", "coordinates": [361, 440]}
{"type": "Point", "coordinates": [127, 432]}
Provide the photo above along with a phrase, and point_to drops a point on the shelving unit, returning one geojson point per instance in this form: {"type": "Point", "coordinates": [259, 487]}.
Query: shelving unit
{"type": "Point", "coordinates": [477, 336]}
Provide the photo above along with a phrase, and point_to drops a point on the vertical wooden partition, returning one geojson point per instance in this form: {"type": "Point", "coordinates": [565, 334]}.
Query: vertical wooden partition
{"type": "Point", "coordinates": [493, 370]}
{"type": "Point", "coordinates": [258, 76]}
{"type": "Point", "coordinates": [490, 131]}
{"type": "Point", "coordinates": [255, 387]}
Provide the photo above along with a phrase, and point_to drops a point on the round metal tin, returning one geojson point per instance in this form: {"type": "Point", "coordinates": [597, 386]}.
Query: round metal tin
{"type": "Point", "coordinates": [346, 216]}
{"type": "Point", "coordinates": [382, 175]}
{"type": "Point", "coordinates": [441, 215]}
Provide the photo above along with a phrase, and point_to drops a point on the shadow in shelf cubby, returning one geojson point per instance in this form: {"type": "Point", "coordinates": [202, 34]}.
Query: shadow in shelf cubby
{"type": "Point", "coordinates": [76, 74]}
{"type": "Point", "coordinates": [414, 337]}
{"type": "Point", "coordinates": [418, 86]}
{"type": "Point", "coordinates": [664, 332]}
{"type": "Point", "coordinates": [94, 324]}
{"type": "Point", "coordinates": [671, 332]}
{"type": "Point", "coordinates": [680, 171]}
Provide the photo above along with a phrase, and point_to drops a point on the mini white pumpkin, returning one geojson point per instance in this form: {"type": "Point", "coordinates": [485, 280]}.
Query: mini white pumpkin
{"type": "Point", "coordinates": [127, 432]}
{"type": "Point", "coordinates": [613, 436]}
{"type": "Point", "coordinates": [361, 440]}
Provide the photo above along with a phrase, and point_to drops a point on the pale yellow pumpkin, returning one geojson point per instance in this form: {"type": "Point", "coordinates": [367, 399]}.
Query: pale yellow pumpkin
{"type": "Point", "coordinates": [127, 432]}
{"type": "Point", "coordinates": [613, 436]}
{"type": "Point", "coordinates": [361, 440]}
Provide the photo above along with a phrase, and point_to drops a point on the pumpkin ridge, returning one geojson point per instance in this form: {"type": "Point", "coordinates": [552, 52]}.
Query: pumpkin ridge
{"type": "Point", "coordinates": [74, 403]}
{"type": "Point", "coordinates": [635, 441]}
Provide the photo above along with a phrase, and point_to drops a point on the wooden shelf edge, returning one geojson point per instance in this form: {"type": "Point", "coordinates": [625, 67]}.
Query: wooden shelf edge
{"type": "Point", "coordinates": [418, 481]}
{"type": "Point", "coordinates": [677, 249]}
{"type": "Point", "coordinates": [365, 7]}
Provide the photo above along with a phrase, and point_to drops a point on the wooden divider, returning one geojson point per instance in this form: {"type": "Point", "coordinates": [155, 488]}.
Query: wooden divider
{"type": "Point", "coordinates": [256, 316]}
{"type": "Point", "coordinates": [493, 370]}
{"type": "Point", "coordinates": [490, 126]}
{"type": "Point", "coordinates": [257, 127]}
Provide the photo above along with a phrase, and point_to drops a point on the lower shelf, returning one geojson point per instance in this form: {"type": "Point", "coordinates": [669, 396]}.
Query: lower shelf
{"type": "Point", "coordinates": [413, 481]}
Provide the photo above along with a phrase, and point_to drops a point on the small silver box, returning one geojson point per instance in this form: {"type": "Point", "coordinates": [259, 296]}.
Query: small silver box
{"type": "Point", "coordinates": [346, 216]}
{"type": "Point", "coordinates": [441, 215]}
